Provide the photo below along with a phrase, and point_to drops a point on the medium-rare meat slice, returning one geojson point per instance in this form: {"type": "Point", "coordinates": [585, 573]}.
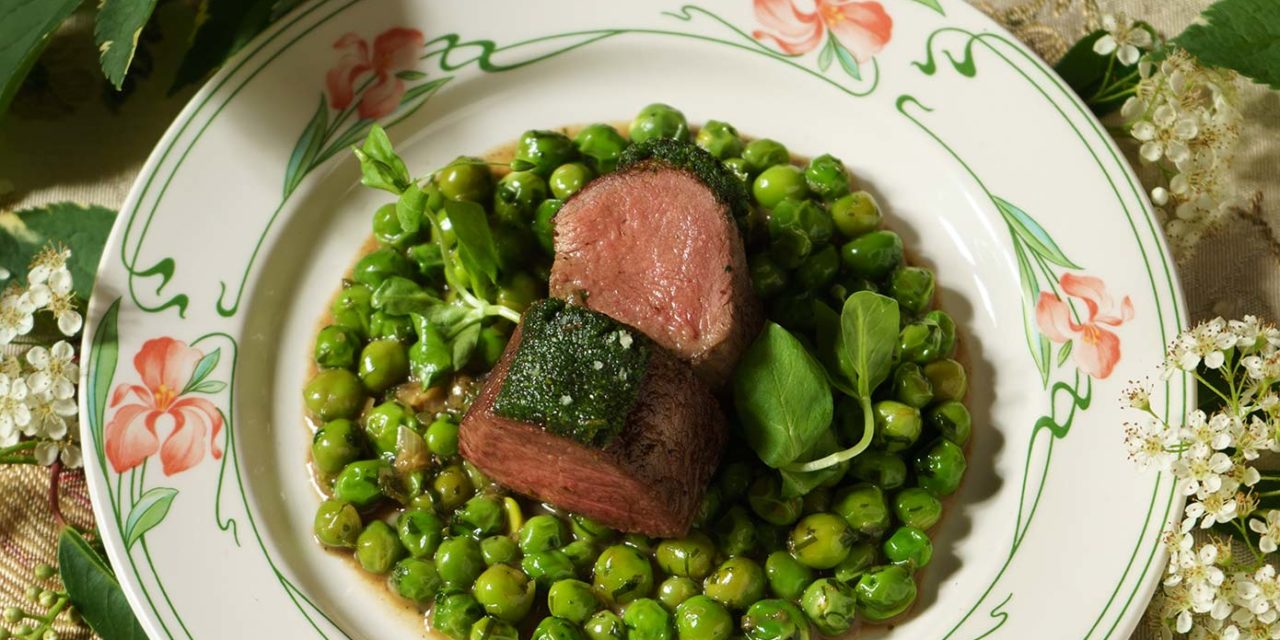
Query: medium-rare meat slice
{"type": "Point", "coordinates": [586, 414]}
{"type": "Point", "coordinates": [655, 245]}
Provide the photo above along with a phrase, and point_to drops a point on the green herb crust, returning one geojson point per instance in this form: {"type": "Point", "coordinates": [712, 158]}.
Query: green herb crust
{"type": "Point", "coordinates": [575, 373]}
{"type": "Point", "coordinates": [727, 188]}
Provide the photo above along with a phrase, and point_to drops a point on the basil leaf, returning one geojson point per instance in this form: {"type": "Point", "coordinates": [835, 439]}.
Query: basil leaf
{"type": "Point", "coordinates": [380, 167]}
{"type": "Point", "coordinates": [869, 329]}
{"type": "Point", "coordinates": [476, 248]}
{"type": "Point", "coordinates": [25, 27]}
{"type": "Point", "coordinates": [409, 208]}
{"type": "Point", "coordinates": [401, 296]}
{"type": "Point", "coordinates": [782, 397]}
{"type": "Point", "coordinates": [464, 344]}
{"type": "Point", "coordinates": [1241, 35]}
{"type": "Point", "coordinates": [831, 351]}
{"type": "Point", "coordinates": [430, 359]}
{"type": "Point", "coordinates": [93, 589]}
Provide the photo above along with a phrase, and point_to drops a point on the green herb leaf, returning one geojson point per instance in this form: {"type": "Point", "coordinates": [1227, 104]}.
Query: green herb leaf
{"type": "Point", "coordinates": [1085, 71]}
{"type": "Point", "coordinates": [869, 328]}
{"type": "Point", "coordinates": [797, 483]}
{"type": "Point", "coordinates": [781, 396]}
{"type": "Point", "coordinates": [452, 316]}
{"type": "Point", "coordinates": [203, 368]}
{"type": "Point", "coordinates": [116, 31]}
{"type": "Point", "coordinates": [430, 359]}
{"type": "Point", "coordinates": [464, 344]}
{"type": "Point", "coordinates": [81, 229]}
{"type": "Point", "coordinates": [400, 296]}
{"type": "Point", "coordinates": [410, 207]}
{"type": "Point", "coordinates": [476, 248]}
{"type": "Point", "coordinates": [223, 26]}
{"type": "Point", "coordinates": [380, 167]}
{"type": "Point", "coordinates": [1242, 35]}
{"type": "Point", "coordinates": [94, 591]}
{"type": "Point", "coordinates": [25, 27]}
{"type": "Point", "coordinates": [831, 352]}
{"type": "Point", "coordinates": [147, 512]}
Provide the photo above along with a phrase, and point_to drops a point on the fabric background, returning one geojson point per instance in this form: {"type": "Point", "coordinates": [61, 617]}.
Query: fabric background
{"type": "Point", "coordinates": [65, 139]}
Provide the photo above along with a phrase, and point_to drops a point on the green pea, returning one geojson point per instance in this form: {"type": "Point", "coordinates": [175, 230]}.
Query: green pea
{"type": "Point", "coordinates": [765, 498]}
{"type": "Point", "coordinates": [846, 285]}
{"type": "Point", "coordinates": [387, 229]}
{"type": "Point", "coordinates": [383, 364]}
{"type": "Point", "coordinates": [333, 394]}
{"type": "Point", "coordinates": [691, 557]}
{"type": "Point", "coordinates": [623, 574]}
{"type": "Point", "coordinates": [336, 347]}
{"type": "Point", "coordinates": [504, 592]}
{"type": "Point", "coordinates": [821, 540]}
{"type": "Point", "coordinates": [948, 328]}
{"type": "Point", "coordinates": [442, 438]}
{"type": "Point", "coordinates": [514, 244]}
{"type": "Point", "coordinates": [940, 467]}
{"type": "Point", "coordinates": [572, 600]}
{"type": "Point", "coordinates": [818, 499]}
{"type": "Point", "coordinates": [912, 287]}
{"type": "Point", "coordinates": [605, 625]}
{"type": "Point", "coordinates": [767, 277]}
{"type": "Point", "coordinates": [481, 516]}
{"type": "Point", "coordinates": [736, 583]}
{"type": "Point", "coordinates": [553, 628]}
{"type": "Point", "coordinates": [920, 342]}
{"type": "Point", "coordinates": [830, 604]}
{"type": "Point", "coordinates": [453, 614]}
{"type": "Point", "coordinates": [541, 533]}
{"type": "Point", "coordinates": [826, 177]}
{"type": "Point", "coordinates": [585, 528]}
{"type": "Point", "coordinates": [491, 344]}
{"type": "Point", "coordinates": [335, 445]}
{"type": "Point", "coordinates": [873, 255]}
{"type": "Point", "coordinates": [917, 508]}
{"type": "Point", "coordinates": [357, 483]}
{"type": "Point", "coordinates": [735, 532]}
{"type": "Point", "coordinates": [498, 550]}
{"type": "Point", "coordinates": [659, 121]}
{"type": "Point", "coordinates": [703, 618]}
{"type": "Point", "coordinates": [856, 214]}
{"type": "Point", "coordinates": [453, 487]}
{"type": "Point", "coordinates": [429, 260]}
{"type": "Point", "coordinates": [764, 153]}
{"type": "Point", "coordinates": [459, 561]}
{"type": "Point", "coordinates": [804, 216]}
{"type": "Point", "coordinates": [910, 387]}
{"type": "Point", "coordinates": [883, 469]}
{"type": "Point", "coordinates": [738, 167]}
{"type": "Point", "coordinates": [414, 580]}
{"type": "Point", "coordinates": [908, 546]}
{"type": "Point", "coordinates": [382, 425]}
{"type": "Point", "coordinates": [378, 548]}
{"type": "Point", "coordinates": [337, 524]}
{"type": "Point", "coordinates": [544, 226]}
{"type": "Point", "coordinates": [787, 576]}
{"type": "Point", "coordinates": [789, 247]}
{"type": "Point", "coordinates": [384, 326]}
{"type": "Point", "coordinates": [548, 566]}
{"type": "Point", "coordinates": [708, 508]}
{"type": "Point", "coordinates": [518, 291]}
{"type": "Point", "coordinates": [948, 379]}
{"type": "Point", "coordinates": [582, 553]}
{"type": "Point", "coordinates": [775, 619]}
{"type": "Point", "coordinates": [777, 183]}
{"type": "Point", "coordinates": [819, 269]}
{"type": "Point", "coordinates": [734, 479]}
{"type": "Point", "coordinates": [646, 619]}
{"type": "Point", "coordinates": [676, 589]}
{"type": "Point", "coordinates": [352, 307]}
{"type": "Point", "coordinates": [861, 557]}
{"type": "Point", "coordinates": [466, 179]}
{"type": "Point", "coordinates": [898, 425]}
{"type": "Point", "coordinates": [601, 144]}
{"type": "Point", "coordinates": [540, 152]}
{"type": "Point", "coordinates": [379, 265]}
{"type": "Point", "coordinates": [952, 420]}
{"type": "Point", "coordinates": [420, 531]}
{"type": "Point", "coordinates": [864, 508]}
{"type": "Point", "coordinates": [569, 178]}
{"type": "Point", "coordinates": [720, 139]}
{"type": "Point", "coordinates": [884, 592]}
{"type": "Point", "coordinates": [517, 196]}
{"type": "Point", "coordinates": [770, 538]}
{"type": "Point", "coordinates": [490, 628]}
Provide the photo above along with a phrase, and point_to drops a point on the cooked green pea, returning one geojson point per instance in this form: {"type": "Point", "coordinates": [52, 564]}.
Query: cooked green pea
{"type": "Point", "coordinates": [952, 420]}
{"type": "Point", "coordinates": [382, 425]}
{"type": "Point", "coordinates": [335, 445]}
{"type": "Point", "coordinates": [908, 546]}
{"type": "Point", "coordinates": [572, 600]}
{"type": "Point", "coordinates": [601, 144]}
{"type": "Point", "coordinates": [357, 483]}
{"type": "Point", "coordinates": [789, 247]}
{"type": "Point", "coordinates": [582, 553]}
{"type": "Point", "coordinates": [910, 387]}
{"type": "Point", "coordinates": [605, 625]}
{"type": "Point", "coordinates": [737, 583]}
{"type": "Point", "coordinates": [540, 152]}
{"type": "Point", "coordinates": [804, 216]}
{"type": "Point", "coordinates": [379, 265]}
{"type": "Point", "coordinates": [920, 342]}
{"type": "Point", "coordinates": [884, 592]}
{"type": "Point", "coordinates": [764, 153]}
{"type": "Point", "coordinates": [552, 628]}
{"type": "Point", "coordinates": [777, 183]}
{"type": "Point", "coordinates": [821, 540]}
{"type": "Point", "coordinates": [498, 550]}
{"type": "Point", "coordinates": [384, 326]}
{"type": "Point", "coordinates": [940, 468]}
{"type": "Point", "coordinates": [917, 508]}
{"type": "Point", "coordinates": [912, 287]}
{"type": "Point", "coordinates": [333, 394]}
{"type": "Point", "coordinates": [548, 566]}
{"type": "Point", "coordinates": [504, 592]}
{"type": "Point", "coordinates": [378, 548]}
{"type": "Point", "coordinates": [492, 342]}
{"type": "Point", "coordinates": [585, 528]}
{"type": "Point", "coordinates": [787, 576]}
{"type": "Point", "coordinates": [873, 255]}
{"type": "Point", "coordinates": [826, 177]}
{"type": "Point", "coordinates": [734, 479]}
{"type": "Point", "coordinates": [383, 364]}
{"type": "Point", "coordinates": [830, 604]}
{"type": "Point", "coordinates": [948, 379]}
{"type": "Point", "coordinates": [948, 328]}
{"type": "Point", "coordinates": [623, 574]}
{"type": "Point", "coordinates": [352, 307]}
{"type": "Point", "coordinates": [518, 195]}
{"type": "Point", "coordinates": [765, 498]}
{"type": "Point", "coordinates": [541, 533]}
{"type": "Point", "coordinates": [676, 589]}
{"type": "Point", "coordinates": [770, 538]}
{"type": "Point", "coordinates": [514, 244]}
{"type": "Point", "coordinates": [885, 470]}
{"type": "Point", "coordinates": [767, 277]}
{"type": "Point", "coordinates": [518, 291]}
{"type": "Point", "coordinates": [818, 499]}
{"type": "Point", "coordinates": [430, 358]}
{"type": "Point", "coordinates": [864, 508]}
{"type": "Point", "coordinates": [459, 561]}
{"type": "Point", "coordinates": [481, 515]}
{"type": "Point", "coordinates": [466, 179]}
{"type": "Point", "coordinates": [738, 167]}
{"type": "Point", "coordinates": [453, 487]}
{"type": "Point", "coordinates": [702, 618]}
{"type": "Point", "coordinates": [720, 139]}
{"type": "Point", "coordinates": [659, 121]}
{"type": "Point", "coordinates": [415, 580]}
{"type": "Point", "coordinates": [846, 285]}
{"type": "Point", "coordinates": [735, 532]}
{"type": "Point", "coordinates": [861, 557]}
{"type": "Point", "coordinates": [454, 613]}
{"type": "Point", "coordinates": [387, 229]}
{"type": "Point", "coordinates": [692, 556]}
{"type": "Point", "coordinates": [569, 178]}
{"type": "Point", "coordinates": [490, 628]}
{"type": "Point", "coordinates": [775, 619]}
{"type": "Point", "coordinates": [898, 425]}
{"type": "Point", "coordinates": [442, 438]}
{"type": "Point", "coordinates": [337, 524]}
{"type": "Point", "coordinates": [646, 619]}
{"type": "Point", "coordinates": [856, 214]}
{"type": "Point", "coordinates": [336, 347]}
{"type": "Point", "coordinates": [420, 531]}
{"type": "Point", "coordinates": [819, 269]}
{"type": "Point", "coordinates": [544, 226]}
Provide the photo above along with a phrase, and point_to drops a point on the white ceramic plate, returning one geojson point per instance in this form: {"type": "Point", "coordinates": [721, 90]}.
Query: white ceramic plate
{"type": "Point", "coordinates": [249, 211]}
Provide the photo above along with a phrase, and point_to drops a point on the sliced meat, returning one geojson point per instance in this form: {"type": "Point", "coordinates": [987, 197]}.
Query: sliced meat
{"type": "Point", "coordinates": [648, 478]}
{"type": "Point", "coordinates": [654, 247]}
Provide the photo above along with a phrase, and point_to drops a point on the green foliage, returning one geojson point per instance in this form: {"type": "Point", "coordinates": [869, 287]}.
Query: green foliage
{"type": "Point", "coordinates": [116, 31]}
{"type": "Point", "coordinates": [782, 397]}
{"type": "Point", "coordinates": [25, 27]}
{"type": "Point", "coordinates": [223, 26]}
{"type": "Point", "coordinates": [82, 229]}
{"type": "Point", "coordinates": [1242, 35]}
{"type": "Point", "coordinates": [1099, 81]}
{"type": "Point", "coordinates": [93, 589]}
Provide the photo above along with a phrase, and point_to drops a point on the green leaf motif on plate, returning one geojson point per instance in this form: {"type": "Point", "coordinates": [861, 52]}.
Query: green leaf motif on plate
{"type": "Point", "coordinates": [308, 147]}
{"type": "Point", "coordinates": [1242, 35]}
{"type": "Point", "coordinates": [1037, 344]}
{"type": "Point", "coordinates": [94, 590]}
{"type": "Point", "coordinates": [203, 368]}
{"type": "Point", "coordinates": [1064, 352]}
{"type": "Point", "coordinates": [847, 62]}
{"type": "Point", "coordinates": [82, 229]}
{"type": "Point", "coordinates": [147, 512]}
{"type": "Point", "coordinates": [101, 369]}
{"type": "Point", "coordinates": [933, 4]}
{"type": "Point", "coordinates": [827, 54]}
{"type": "Point", "coordinates": [116, 31]}
{"type": "Point", "coordinates": [25, 27]}
{"type": "Point", "coordinates": [1032, 234]}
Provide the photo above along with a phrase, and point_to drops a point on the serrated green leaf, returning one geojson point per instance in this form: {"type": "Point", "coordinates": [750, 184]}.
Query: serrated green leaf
{"type": "Point", "coordinates": [147, 512]}
{"type": "Point", "coordinates": [223, 26]}
{"type": "Point", "coordinates": [116, 31]}
{"type": "Point", "coordinates": [933, 4]}
{"type": "Point", "coordinates": [94, 590]}
{"type": "Point", "coordinates": [25, 27]}
{"type": "Point", "coordinates": [1242, 35]}
{"type": "Point", "coordinates": [83, 229]}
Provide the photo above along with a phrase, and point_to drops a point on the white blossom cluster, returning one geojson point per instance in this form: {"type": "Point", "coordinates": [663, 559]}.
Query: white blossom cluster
{"type": "Point", "coordinates": [1208, 593]}
{"type": "Point", "coordinates": [38, 388]}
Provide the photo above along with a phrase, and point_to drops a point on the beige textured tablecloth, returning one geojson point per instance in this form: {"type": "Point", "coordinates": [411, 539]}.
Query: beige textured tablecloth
{"type": "Point", "coordinates": [63, 142]}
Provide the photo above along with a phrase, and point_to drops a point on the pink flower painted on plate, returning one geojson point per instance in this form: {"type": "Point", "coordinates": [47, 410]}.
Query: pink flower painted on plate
{"type": "Point", "coordinates": [863, 28]}
{"type": "Point", "coordinates": [393, 51]}
{"type": "Point", "coordinates": [166, 367]}
{"type": "Point", "coordinates": [1095, 349]}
